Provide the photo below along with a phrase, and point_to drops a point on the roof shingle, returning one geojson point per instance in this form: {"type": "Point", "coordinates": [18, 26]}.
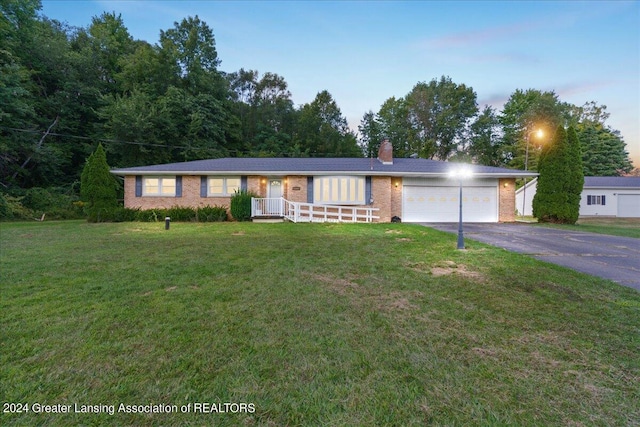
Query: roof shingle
{"type": "Point", "coordinates": [306, 166]}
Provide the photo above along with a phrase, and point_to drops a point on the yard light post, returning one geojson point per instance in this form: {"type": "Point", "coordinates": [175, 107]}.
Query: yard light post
{"type": "Point", "coordinates": [526, 165]}
{"type": "Point", "coordinates": [460, 173]}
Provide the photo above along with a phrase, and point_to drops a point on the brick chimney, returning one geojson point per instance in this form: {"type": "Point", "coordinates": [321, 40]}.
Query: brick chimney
{"type": "Point", "coordinates": [385, 152]}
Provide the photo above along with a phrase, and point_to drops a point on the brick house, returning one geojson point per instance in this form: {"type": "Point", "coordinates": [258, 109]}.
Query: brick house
{"type": "Point", "coordinates": [415, 190]}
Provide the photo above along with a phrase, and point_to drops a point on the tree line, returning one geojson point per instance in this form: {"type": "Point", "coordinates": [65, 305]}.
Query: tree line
{"type": "Point", "coordinates": [64, 90]}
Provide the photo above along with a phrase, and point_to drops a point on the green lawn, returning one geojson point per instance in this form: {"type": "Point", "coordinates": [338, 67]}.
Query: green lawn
{"type": "Point", "coordinates": [626, 227]}
{"type": "Point", "coordinates": [332, 325]}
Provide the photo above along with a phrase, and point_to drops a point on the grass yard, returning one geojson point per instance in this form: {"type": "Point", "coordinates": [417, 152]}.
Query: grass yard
{"type": "Point", "coordinates": [626, 227]}
{"type": "Point", "coordinates": [305, 325]}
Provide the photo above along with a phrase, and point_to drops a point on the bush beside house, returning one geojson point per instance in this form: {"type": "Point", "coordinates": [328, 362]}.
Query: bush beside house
{"type": "Point", "coordinates": [241, 205]}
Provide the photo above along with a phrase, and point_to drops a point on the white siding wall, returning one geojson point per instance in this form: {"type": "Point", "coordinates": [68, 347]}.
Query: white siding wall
{"type": "Point", "coordinates": [610, 208]}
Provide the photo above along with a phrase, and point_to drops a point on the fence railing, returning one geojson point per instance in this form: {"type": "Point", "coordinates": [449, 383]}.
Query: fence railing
{"type": "Point", "coordinates": [309, 212]}
{"type": "Point", "coordinates": [267, 207]}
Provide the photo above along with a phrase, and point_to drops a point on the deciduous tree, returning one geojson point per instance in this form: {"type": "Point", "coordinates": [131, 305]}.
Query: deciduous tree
{"type": "Point", "coordinates": [438, 114]}
{"type": "Point", "coordinates": [323, 131]}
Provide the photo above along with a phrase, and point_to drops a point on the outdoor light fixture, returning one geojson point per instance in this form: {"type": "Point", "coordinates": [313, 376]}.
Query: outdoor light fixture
{"type": "Point", "coordinates": [460, 173]}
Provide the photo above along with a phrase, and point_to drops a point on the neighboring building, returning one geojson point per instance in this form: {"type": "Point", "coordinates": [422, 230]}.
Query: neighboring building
{"type": "Point", "coordinates": [416, 190]}
{"type": "Point", "coordinates": [614, 196]}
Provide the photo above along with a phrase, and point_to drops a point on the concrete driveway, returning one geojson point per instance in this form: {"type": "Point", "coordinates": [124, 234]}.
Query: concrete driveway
{"type": "Point", "coordinates": [610, 257]}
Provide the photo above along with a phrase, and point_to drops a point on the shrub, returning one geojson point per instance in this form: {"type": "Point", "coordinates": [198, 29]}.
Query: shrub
{"type": "Point", "coordinates": [150, 215]}
{"type": "Point", "coordinates": [56, 203]}
{"type": "Point", "coordinates": [211, 214]}
{"type": "Point", "coordinates": [180, 214]}
{"type": "Point", "coordinates": [38, 199]}
{"type": "Point", "coordinates": [121, 214]}
{"type": "Point", "coordinates": [5, 210]}
{"type": "Point", "coordinates": [241, 205]}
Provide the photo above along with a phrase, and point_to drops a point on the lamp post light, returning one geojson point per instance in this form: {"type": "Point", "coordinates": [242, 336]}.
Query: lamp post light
{"type": "Point", "coordinates": [540, 134]}
{"type": "Point", "coordinates": [460, 173]}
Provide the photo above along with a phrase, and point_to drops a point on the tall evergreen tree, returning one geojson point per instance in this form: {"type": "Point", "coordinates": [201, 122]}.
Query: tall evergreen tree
{"type": "Point", "coordinates": [560, 182]}
{"type": "Point", "coordinates": [575, 175]}
{"type": "Point", "coordinates": [98, 187]}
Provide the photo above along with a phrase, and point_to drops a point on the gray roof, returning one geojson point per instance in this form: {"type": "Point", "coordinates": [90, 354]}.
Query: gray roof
{"type": "Point", "coordinates": [612, 181]}
{"type": "Point", "coordinates": [315, 166]}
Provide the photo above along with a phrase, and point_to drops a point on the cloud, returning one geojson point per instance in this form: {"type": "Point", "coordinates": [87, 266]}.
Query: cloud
{"type": "Point", "coordinates": [477, 37]}
{"type": "Point", "coordinates": [497, 100]}
{"type": "Point", "coordinates": [571, 89]}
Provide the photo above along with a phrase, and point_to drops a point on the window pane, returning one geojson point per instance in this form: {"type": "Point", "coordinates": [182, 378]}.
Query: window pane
{"type": "Point", "coordinates": [233, 185]}
{"type": "Point", "coordinates": [334, 190]}
{"type": "Point", "coordinates": [168, 186]}
{"type": "Point", "coordinates": [317, 190]}
{"type": "Point", "coordinates": [344, 190]}
{"type": "Point", "coordinates": [326, 187]}
{"type": "Point", "coordinates": [151, 186]}
{"type": "Point", "coordinates": [216, 186]}
{"type": "Point", "coordinates": [360, 190]}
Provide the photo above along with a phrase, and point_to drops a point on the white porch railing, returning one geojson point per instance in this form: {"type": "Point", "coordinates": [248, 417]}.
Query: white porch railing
{"type": "Point", "coordinates": [309, 212]}
{"type": "Point", "coordinates": [267, 207]}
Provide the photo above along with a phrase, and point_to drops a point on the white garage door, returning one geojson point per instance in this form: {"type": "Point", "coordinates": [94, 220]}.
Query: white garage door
{"type": "Point", "coordinates": [441, 204]}
{"type": "Point", "coordinates": [629, 205]}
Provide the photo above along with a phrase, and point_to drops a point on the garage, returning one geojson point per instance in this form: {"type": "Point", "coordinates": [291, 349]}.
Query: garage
{"type": "Point", "coordinates": [628, 205]}
{"type": "Point", "coordinates": [431, 201]}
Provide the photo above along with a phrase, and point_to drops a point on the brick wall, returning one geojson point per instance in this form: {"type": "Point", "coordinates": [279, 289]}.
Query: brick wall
{"type": "Point", "coordinates": [256, 186]}
{"type": "Point", "coordinates": [295, 188]}
{"type": "Point", "coordinates": [507, 200]}
{"type": "Point", "coordinates": [381, 195]}
{"type": "Point", "coordinates": [396, 197]}
{"type": "Point", "coordinates": [190, 196]}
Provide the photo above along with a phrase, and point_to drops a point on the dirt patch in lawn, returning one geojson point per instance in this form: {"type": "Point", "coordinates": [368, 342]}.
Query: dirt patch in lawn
{"type": "Point", "coordinates": [397, 301]}
{"type": "Point", "coordinates": [336, 284]}
{"type": "Point", "coordinates": [358, 294]}
{"type": "Point", "coordinates": [445, 268]}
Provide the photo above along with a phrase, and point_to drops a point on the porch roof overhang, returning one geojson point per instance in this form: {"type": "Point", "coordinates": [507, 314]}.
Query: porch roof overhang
{"type": "Point", "coordinates": [318, 167]}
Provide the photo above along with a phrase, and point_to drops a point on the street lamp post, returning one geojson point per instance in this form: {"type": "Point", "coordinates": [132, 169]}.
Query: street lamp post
{"type": "Point", "coordinates": [460, 173]}
{"type": "Point", "coordinates": [526, 165]}
{"type": "Point", "coordinates": [460, 233]}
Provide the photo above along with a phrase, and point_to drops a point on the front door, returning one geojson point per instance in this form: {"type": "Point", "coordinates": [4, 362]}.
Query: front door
{"type": "Point", "coordinates": [275, 189]}
{"type": "Point", "coordinates": [273, 203]}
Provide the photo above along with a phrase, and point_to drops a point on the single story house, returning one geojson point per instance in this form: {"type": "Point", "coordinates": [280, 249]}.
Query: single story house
{"type": "Point", "coordinates": [415, 190]}
{"type": "Point", "coordinates": [613, 196]}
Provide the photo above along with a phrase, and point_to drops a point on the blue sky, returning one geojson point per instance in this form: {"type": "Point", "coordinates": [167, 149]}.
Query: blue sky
{"type": "Point", "coordinates": [364, 52]}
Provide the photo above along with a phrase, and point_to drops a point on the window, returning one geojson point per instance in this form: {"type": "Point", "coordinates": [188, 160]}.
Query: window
{"type": "Point", "coordinates": [223, 186]}
{"type": "Point", "coordinates": [596, 200]}
{"type": "Point", "coordinates": [342, 190]}
{"type": "Point", "coordinates": [159, 186]}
